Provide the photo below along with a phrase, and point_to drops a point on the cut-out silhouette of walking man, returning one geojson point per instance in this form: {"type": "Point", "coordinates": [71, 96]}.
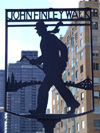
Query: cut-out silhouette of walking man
{"type": "Point", "coordinates": [54, 57]}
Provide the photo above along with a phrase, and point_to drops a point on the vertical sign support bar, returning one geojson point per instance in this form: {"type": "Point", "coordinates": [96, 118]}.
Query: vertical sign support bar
{"type": "Point", "coordinates": [6, 41]}
{"type": "Point", "coordinates": [91, 57]}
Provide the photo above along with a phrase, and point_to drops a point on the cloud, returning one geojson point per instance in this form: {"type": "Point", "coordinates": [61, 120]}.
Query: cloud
{"type": "Point", "coordinates": [63, 3]}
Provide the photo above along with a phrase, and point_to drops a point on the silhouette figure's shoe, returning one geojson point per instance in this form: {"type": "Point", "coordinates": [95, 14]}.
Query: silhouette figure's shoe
{"type": "Point", "coordinates": [33, 111]}
{"type": "Point", "coordinates": [36, 112]}
{"type": "Point", "coordinates": [73, 107]}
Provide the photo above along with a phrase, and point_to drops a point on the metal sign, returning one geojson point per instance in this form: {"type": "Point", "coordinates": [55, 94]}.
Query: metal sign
{"type": "Point", "coordinates": [53, 65]}
{"type": "Point", "coordinates": [47, 14]}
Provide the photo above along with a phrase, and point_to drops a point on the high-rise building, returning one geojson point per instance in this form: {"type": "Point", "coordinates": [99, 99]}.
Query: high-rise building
{"type": "Point", "coordinates": [24, 99]}
{"type": "Point", "coordinates": [2, 88]}
{"type": "Point", "coordinates": [77, 39]}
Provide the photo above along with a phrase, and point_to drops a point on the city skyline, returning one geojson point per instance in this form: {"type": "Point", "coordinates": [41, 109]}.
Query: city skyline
{"type": "Point", "coordinates": [24, 99]}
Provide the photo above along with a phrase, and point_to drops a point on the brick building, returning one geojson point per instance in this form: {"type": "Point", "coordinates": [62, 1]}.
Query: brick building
{"type": "Point", "coordinates": [77, 39]}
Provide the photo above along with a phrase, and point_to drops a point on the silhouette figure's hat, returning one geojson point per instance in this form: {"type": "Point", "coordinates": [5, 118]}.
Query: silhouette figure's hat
{"type": "Point", "coordinates": [40, 24]}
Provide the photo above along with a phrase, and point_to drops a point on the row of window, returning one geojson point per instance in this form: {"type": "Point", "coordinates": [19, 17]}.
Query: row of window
{"type": "Point", "coordinates": [95, 66]}
{"type": "Point", "coordinates": [96, 80]}
{"type": "Point", "coordinates": [94, 12]}
{"type": "Point", "coordinates": [97, 94]}
{"type": "Point", "coordinates": [82, 126]}
{"type": "Point", "coordinates": [81, 71]}
{"type": "Point", "coordinates": [94, 40]}
{"type": "Point", "coordinates": [96, 109]}
{"type": "Point", "coordinates": [97, 123]}
{"type": "Point", "coordinates": [95, 25]}
{"type": "Point", "coordinates": [81, 57]}
{"type": "Point", "coordinates": [76, 47]}
{"type": "Point", "coordinates": [82, 97]}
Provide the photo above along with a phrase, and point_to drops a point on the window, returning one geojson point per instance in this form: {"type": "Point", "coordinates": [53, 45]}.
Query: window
{"type": "Point", "coordinates": [72, 30]}
{"type": "Point", "coordinates": [82, 109]}
{"type": "Point", "coordinates": [68, 49]}
{"type": "Point", "coordinates": [96, 80]}
{"type": "Point", "coordinates": [77, 74]}
{"type": "Point", "coordinates": [95, 39]}
{"type": "Point", "coordinates": [69, 130]}
{"type": "Point", "coordinates": [58, 126]}
{"type": "Point", "coordinates": [68, 61]}
{"type": "Point", "coordinates": [61, 123]}
{"type": "Point", "coordinates": [81, 29]}
{"type": "Point", "coordinates": [68, 72]}
{"type": "Point", "coordinates": [73, 91]}
{"type": "Point", "coordinates": [68, 119]}
{"type": "Point", "coordinates": [81, 55]}
{"type": "Point", "coordinates": [77, 111]}
{"type": "Point", "coordinates": [94, 25]}
{"type": "Point", "coordinates": [67, 38]}
{"type": "Point", "coordinates": [77, 89]}
{"type": "Point", "coordinates": [61, 103]}
{"type": "Point", "coordinates": [96, 94]}
{"type": "Point", "coordinates": [81, 42]}
{"type": "Point", "coordinates": [61, 112]}
{"type": "Point", "coordinates": [95, 66]}
{"type": "Point", "coordinates": [53, 101]}
{"type": "Point", "coordinates": [94, 12]}
{"type": "Point", "coordinates": [72, 54]}
{"type": "Point", "coordinates": [97, 109]}
{"type": "Point", "coordinates": [76, 36]}
{"type": "Point", "coordinates": [64, 76]}
{"type": "Point", "coordinates": [82, 124]}
{"type": "Point", "coordinates": [76, 48]}
{"type": "Point", "coordinates": [58, 107]}
{"type": "Point", "coordinates": [97, 123]}
{"type": "Point", "coordinates": [81, 68]}
{"type": "Point", "coordinates": [82, 96]}
{"type": "Point", "coordinates": [77, 126]}
{"type": "Point", "coordinates": [95, 52]}
{"type": "Point", "coordinates": [53, 92]}
{"type": "Point", "coordinates": [76, 61]}
{"type": "Point", "coordinates": [57, 97]}
{"type": "Point", "coordinates": [77, 98]}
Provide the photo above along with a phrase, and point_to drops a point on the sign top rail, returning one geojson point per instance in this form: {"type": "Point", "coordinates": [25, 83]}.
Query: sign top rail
{"type": "Point", "coordinates": [51, 9]}
{"type": "Point", "coordinates": [50, 14]}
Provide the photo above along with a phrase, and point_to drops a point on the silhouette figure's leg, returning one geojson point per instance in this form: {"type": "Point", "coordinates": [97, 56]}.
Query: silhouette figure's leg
{"type": "Point", "coordinates": [66, 94]}
{"type": "Point", "coordinates": [42, 96]}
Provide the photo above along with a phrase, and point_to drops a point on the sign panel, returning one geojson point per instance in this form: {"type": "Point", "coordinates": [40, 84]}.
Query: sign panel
{"type": "Point", "coordinates": [29, 77]}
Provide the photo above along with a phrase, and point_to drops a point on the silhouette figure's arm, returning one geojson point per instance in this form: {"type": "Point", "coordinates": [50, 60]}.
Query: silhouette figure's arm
{"type": "Point", "coordinates": [38, 61]}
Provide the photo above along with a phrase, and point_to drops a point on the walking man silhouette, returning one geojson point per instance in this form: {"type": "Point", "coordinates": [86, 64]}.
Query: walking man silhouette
{"type": "Point", "coordinates": [54, 57]}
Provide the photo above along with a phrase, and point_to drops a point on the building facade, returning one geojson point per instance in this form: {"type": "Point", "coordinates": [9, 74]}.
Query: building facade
{"type": "Point", "coordinates": [77, 39]}
{"type": "Point", "coordinates": [2, 88]}
{"type": "Point", "coordinates": [24, 99]}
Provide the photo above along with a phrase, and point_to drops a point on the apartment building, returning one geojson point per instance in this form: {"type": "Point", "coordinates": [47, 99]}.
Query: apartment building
{"type": "Point", "coordinates": [77, 39]}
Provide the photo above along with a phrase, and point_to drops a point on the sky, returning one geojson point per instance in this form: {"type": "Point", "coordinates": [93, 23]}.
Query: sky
{"type": "Point", "coordinates": [25, 38]}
